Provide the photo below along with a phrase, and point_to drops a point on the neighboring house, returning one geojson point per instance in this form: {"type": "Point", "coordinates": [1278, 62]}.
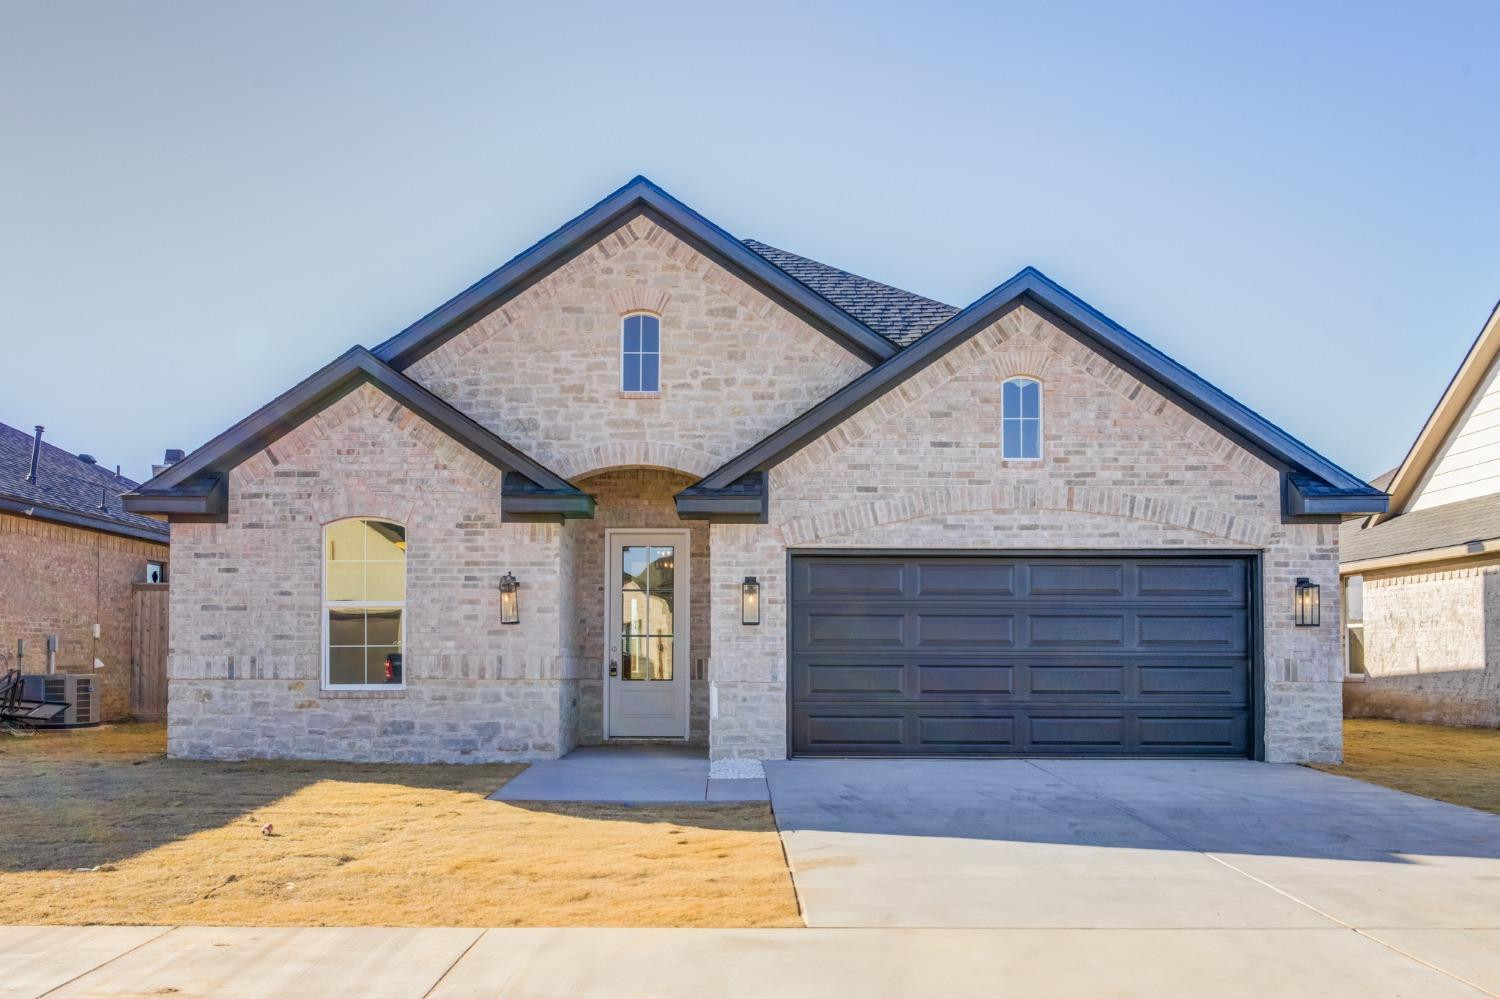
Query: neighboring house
{"type": "Point", "coordinates": [1423, 618]}
{"type": "Point", "coordinates": [649, 481]}
{"type": "Point", "coordinates": [70, 557]}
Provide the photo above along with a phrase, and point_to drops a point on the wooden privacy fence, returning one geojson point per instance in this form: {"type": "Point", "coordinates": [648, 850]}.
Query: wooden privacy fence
{"type": "Point", "coordinates": [148, 653]}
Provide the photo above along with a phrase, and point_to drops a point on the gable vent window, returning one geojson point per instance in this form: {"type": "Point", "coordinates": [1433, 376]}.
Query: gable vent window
{"type": "Point", "coordinates": [640, 354]}
{"type": "Point", "coordinates": [1021, 419]}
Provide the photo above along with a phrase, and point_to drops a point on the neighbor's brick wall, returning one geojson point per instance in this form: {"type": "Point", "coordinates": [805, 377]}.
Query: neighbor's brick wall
{"type": "Point", "coordinates": [1432, 647]}
{"type": "Point", "coordinates": [246, 657]}
{"type": "Point", "coordinates": [1123, 468]}
{"type": "Point", "coordinates": [633, 498]}
{"type": "Point", "coordinates": [543, 370]}
{"type": "Point", "coordinates": [59, 580]}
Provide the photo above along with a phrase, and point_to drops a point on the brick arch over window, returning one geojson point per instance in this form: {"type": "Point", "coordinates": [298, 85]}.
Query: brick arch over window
{"type": "Point", "coordinates": [634, 454]}
{"type": "Point", "coordinates": [960, 500]}
{"type": "Point", "coordinates": [639, 299]}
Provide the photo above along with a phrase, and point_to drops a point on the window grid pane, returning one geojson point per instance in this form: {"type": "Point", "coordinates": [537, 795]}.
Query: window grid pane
{"type": "Point", "coordinates": [365, 564]}
{"type": "Point", "coordinates": [1021, 419]}
{"type": "Point", "coordinates": [640, 354]}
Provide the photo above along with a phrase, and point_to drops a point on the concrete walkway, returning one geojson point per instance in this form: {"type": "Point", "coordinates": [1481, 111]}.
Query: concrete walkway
{"type": "Point", "coordinates": [630, 775]}
{"type": "Point", "coordinates": [328, 963]}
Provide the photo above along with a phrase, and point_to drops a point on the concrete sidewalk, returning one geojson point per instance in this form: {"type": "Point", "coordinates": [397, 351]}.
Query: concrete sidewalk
{"type": "Point", "coordinates": [326, 963]}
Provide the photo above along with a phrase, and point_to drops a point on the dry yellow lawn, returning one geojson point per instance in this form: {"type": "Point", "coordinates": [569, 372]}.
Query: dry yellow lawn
{"type": "Point", "coordinates": [1461, 765]}
{"type": "Point", "coordinates": [97, 826]}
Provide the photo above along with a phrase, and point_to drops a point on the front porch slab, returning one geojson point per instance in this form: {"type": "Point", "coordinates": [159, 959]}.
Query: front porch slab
{"type": "Point", "coordinates": [627, 775]}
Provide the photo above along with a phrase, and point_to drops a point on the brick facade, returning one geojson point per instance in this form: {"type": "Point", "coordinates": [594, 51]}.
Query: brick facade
{"type": "Point", "coordinates": [1123, 468]}
{"type": "Point", "coordinates": [1432, 647]}
{"type": "Point", "coordinates": [245, 669]}
{"type": "Point", "coordinates": [60, 580]}
{"type": "Point", "coordinates": [543, 371]}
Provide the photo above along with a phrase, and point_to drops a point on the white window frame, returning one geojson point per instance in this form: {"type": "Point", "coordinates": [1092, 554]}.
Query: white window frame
{"type": "Point", "coordinates": [350, 604]}
{"type": "Point", "coordinates": [1352, 625]}
{"type": "Point", "coordinates": [641, 353]}
{"type": "Point", "coordinates": [1041, 401]}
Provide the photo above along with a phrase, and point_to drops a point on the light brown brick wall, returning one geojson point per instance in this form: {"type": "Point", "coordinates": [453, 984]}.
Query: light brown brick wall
{"type": "Point", "coordinates": [246, 658]}
{"type": "Point", "coordinates": [60, 580]}
{"type": "Point", "coordinates": [1432, 647]}
{"type": "Point", "coordinates": [1123, 468]}
{"type": "Point", "coordinates": [543, 371]}
{"type": "Point", "coordinates": [640, 497]}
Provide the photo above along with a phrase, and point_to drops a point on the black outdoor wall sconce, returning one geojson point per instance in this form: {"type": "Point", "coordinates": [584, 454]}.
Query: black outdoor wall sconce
{"type": "Point", "coordinates": [510, 600]}
{"type": "Point", "coordinates": [1307, 604]}
{"type": "Point", "coordinates": [750, 601]}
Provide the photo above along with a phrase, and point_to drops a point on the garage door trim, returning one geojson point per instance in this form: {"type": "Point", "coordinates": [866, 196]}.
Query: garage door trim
{"type": "Point", "coordinates": [1252, 558]}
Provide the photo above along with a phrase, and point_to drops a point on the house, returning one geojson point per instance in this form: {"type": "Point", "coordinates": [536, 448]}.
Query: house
{"type": "Point", "coordinates": [1423, 580]}
{"type": "Point", "coordinates": [650, 481]}
{"type": "Point", "coordinates": [71, 560]}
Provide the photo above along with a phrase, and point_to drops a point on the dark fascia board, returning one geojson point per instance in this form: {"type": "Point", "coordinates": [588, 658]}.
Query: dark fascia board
{"type": "Point", "coordinates": [1297, 504]}
{"type": "Point", "coordinates": [1032, 288]}
{"type": "Point", "coordinates": [205, 495]}
{"type": "Point", "coordinates": [521, 499]}
{"type": "Point", "coordinates": [638, 197]}
{"type": "Point", "coordinates": [328, 385]}
{"type": "Point", "coordinates": [71, 518]}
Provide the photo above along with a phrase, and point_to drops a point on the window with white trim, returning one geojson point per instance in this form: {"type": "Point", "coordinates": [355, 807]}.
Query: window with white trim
{"type": "Point", "coordinates": [640, 353]}
{"type": "Point", "coordinates": [1021, 419]}
{"type": "Point", "coordinates": [364, 604]}
{"type": "Point", "coordinates": [1354, 625]}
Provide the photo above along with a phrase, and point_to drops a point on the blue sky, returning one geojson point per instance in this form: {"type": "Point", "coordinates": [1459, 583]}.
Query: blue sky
{"type": "Point", "coordinates": [202, 203]}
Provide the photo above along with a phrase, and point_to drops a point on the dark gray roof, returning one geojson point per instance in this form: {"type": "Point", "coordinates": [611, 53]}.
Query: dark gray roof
{"type": "Point", "coordinates": [67, 489]}
{"type": "Point", "coordinates": [1443, 526]}
{"type": "Point", "coordinates": [899, 316]}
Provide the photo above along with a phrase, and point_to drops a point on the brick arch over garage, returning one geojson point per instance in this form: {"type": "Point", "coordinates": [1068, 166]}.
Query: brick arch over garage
{"type": "Point", "coordinates": [961, 500]}
{"type": "Point", "coordinates": [574, 465]}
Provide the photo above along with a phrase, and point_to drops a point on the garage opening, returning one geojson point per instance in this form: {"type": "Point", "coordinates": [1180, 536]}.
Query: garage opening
{"type": "Point", "coordinates": [1056, 654]}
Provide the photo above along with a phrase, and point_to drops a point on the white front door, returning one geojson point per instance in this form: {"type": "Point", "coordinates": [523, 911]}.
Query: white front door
{"type": "Point", "coordinates": [646, 639]}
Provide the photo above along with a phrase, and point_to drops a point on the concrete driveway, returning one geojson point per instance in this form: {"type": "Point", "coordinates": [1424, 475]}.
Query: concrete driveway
{"type": "Point", "coordinates": [1114, 846]}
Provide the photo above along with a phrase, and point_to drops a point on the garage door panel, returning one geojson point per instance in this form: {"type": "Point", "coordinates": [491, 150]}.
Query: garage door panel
{"type": "Point", "coordinates": [1226, 679]}
{"type": "Point", "coordinates": [1050, 681]}
{"type": "Point", "coordinates": [851, 578]}
{"type": "Point", "coordinates": [979, 733]}
{"type": "Point", "coordinates": [1070, 579]}
{"type": "Point", "coordinates": [989, 679]}
{"type": "Point", "coordinates": [975, 628]}
{"type": "Point", "coordinates": [852, 630]}
{"type": "Point", "coordinates": [1221, 733]}
{"type": "Point", "coordinates": [1076, 630]}
{"type": "Point", "coordinates": [983, 656]}
{"type": "Point", "coordinates": [1219, 582]}
{"type": "Point", "coordinates": [866, 733]}
{"type": "Point", "coordinates": [1204, 631]}
{"type": "Point", "coordinates": [838, 680]}
{"type": "Point", "coordinates": [964, 579]}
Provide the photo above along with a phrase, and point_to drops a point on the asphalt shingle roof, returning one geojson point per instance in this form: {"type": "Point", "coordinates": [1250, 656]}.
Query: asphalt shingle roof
{"type": "Point", "coordinates": [68, 484]}
{"type": "Point", "coordinates": [1443, 526]}
{"type": "Point", "coordinates": [900, 316]}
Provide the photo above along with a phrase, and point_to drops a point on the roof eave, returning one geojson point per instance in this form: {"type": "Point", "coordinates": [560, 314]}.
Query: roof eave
{"type": "Point", "coordinates": [71, 518]}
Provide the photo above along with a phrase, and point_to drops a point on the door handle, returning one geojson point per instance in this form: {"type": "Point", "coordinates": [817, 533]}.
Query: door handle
{"type": "Point", "coordinates": [614, 668]}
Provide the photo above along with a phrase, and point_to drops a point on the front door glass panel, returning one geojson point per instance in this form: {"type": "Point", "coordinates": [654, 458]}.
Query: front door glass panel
{"type": "Point", "coordinates": [647, 574]}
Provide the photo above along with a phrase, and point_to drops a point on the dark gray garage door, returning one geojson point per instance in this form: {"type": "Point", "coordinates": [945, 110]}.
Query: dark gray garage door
{"type": "Point", "coordinates": [1048, 656]}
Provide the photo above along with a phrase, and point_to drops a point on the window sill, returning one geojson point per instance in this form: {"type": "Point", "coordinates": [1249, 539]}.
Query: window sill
{"type": "Point", "coordinates": [640, 395]}
{"type": "Point", "coordinates": [1356, 677]}
{"type": "Point", "coordinates": [377, 693]}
